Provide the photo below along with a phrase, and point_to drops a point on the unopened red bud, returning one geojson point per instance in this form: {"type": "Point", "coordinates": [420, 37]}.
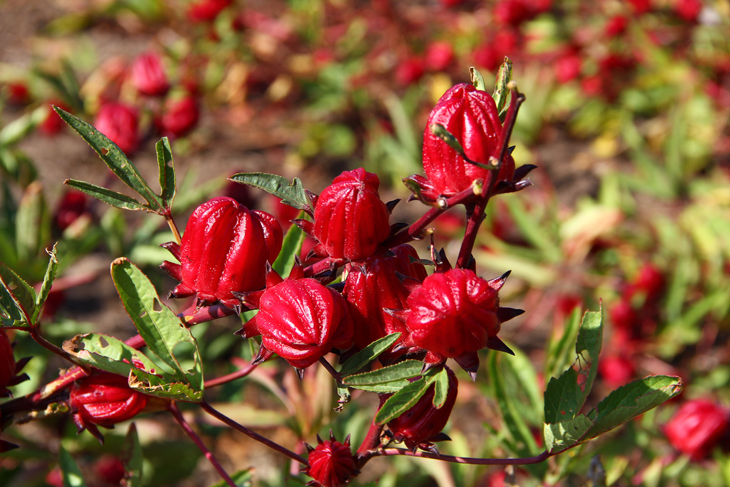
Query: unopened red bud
{"type": "Point", "coordinates": [331, 463]}
{"type": "Point", "coordinates": [697, 427]}
{"type": "Point", "coordinates": [421, 424]}
{"type": "Point", "coordinates": [206, 10]}
{"type": "Point", "coordinates": [104, 400]}
{"type": "Point", "coordinates": [471, 116]}
{"type": "Point", "coordinates": [179, 116]}
{"type": "Point", "coordinates": [350, 220]}
{"type": "Point", "coordinates": [120, 124]}
{"type": "Point", "coordinates": [148, 75]}
{"type": "Point", "coordinates": [439, 55]}
{"type": "Point", "coordinates": [373, 287]}
{"type": "Point", "coordinates": [301, 320]}
{"type": "Point", "coordinates": [224, 249]}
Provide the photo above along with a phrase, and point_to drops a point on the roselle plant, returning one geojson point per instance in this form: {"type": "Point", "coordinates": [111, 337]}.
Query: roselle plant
{"type": "Point", "coordinates": [370, 300]}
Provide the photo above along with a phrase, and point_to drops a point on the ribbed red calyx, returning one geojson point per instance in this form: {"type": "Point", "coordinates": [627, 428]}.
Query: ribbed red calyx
{"type": "Point", "coordinates": [350, 220]}
{"type": "Point", "coordinates": [7, 364]}
{"type": "Point", "coordinates": [331, 463]}
{"type": "Point", "coordinates": [104, 400]}
{"type": "Point", "coordinates": [373, 285]}
{"type": "Point", "coordinates": [224, 249]}
{"type": "Point", "coordinates": [456, 313]}
{"type": "Point", "coordinates": [148, 76]}
{"type": "Point", "coordinates": [421, 424]}
{"type": "Point", "coordinates": [471, 116]}
{"type": "Point", "coordinates": [697, 426]}
{"type": "Point", "coordinates": [299, 319]}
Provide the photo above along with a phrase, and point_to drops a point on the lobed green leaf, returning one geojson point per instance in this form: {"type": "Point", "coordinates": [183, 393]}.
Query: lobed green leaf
{"type": "Point", "coordinates": [292, 194]}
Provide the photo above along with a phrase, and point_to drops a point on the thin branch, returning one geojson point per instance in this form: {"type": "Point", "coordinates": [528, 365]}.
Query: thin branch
{"type": "Point", "coordinates": [231, 377]}
{"type": "Point", "coordinates": [173, 227]}
{"type": "Point", "coordinates": [330, 369]}
{"type": "Point", "coordinates": [254, 436]}
{"type": "Point", "coordinates": [199, 443]}
{"type": "Point", "coordinates": [464, 460]}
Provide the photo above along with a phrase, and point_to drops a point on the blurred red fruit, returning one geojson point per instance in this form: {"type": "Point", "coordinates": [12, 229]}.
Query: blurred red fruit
{"type": "Point", "coordinates": [616, 25]}
{"type": "Point", "coordinates": [568, 67]}
{"type": "Point", "coordinates": [207, 10]}
{"type": "Point", "coordinates": [53, 124]}
{"type": "Point", "coordinates": [409, 71]}
{"type": "Point", "coordinates": [18, 94]}
{"type": "Point", "coordinates": [616, 370]}
{"type": "Point", "coordinates": [71, 206]}
{"type": "Point", "coordinates": [650, 280]}
{"type": "Point", "coordinates": [179, 116]}
{"type": "Point", "coordinates": [109, 469]}
{"type": "Point", "coordinates": [696, 427]}
{"type": "Point", "coordinates": [148, 75]}
{"type": "Point", "coordinates": [640, 6]}
{"type": "Point", "coordinates": [688, 10]}
{"type": "Point", "coordinates": [120, 124]}
{"type": "Point", "coordinates": [439, 55]}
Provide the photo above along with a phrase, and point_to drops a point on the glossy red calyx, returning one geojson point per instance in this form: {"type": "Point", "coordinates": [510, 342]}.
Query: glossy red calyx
{"type": "Point", "coordinates": [331, 463]}
{"type": "Point", "coordinates": [471, 116]}
{"type": "Point", "coordinates": [697, 426]}
{"type": "Point", "coordinates": [350, 220]}
{"type": "Point", "coordinates": [456, 313]}
{"type": "Point", "coordinates": [120, 123]}
{"type": "Point", "coordinates": [104, 400]}
{"type": "Point", "coordinates": [299, 319]}
{"type": "Point", "coordinates": [7, 364]}
{"type": "Point", "coordinates": [422, 424]}
{"type": "Point", "coordinates": [224, 250]}
{"type": "Point", "coordinates": [148, 76]}
{"type": "Point", "coordinates": [373, 286]}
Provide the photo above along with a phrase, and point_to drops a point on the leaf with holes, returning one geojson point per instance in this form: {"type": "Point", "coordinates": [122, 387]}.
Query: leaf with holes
{"type": "Point", "coordinates": [160, 328]}
{"type": "Point", "coordinates": [115, 159]}
{"type": "Point", "coordinates": [565, 396]}
{"type": "Point", "coordinates": [166, 170]}
{"type": "Point", "coordinates": [292, 194]}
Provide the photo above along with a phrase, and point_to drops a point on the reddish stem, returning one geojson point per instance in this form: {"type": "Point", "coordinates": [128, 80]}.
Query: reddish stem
{"type": "Point", "coordinates": [199, 443]}
{"type": "Point", "coordinates": [230, 377]}
{"type": "Point", "coordinates": [254, 436]}
{"type": "Point", "coordinates": [464, 460]}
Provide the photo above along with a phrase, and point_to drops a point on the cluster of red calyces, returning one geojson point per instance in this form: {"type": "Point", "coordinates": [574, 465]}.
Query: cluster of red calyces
{"type": "Point", "coordinates": [224, 250]}
{"type": "Point", "coordinates": [331, 463]}
{"type": "Point", "coordinates": [421, 425]}
{"type": "Point", "coordinates": [104, 400]}
{"type": "Point", "coordinates": [299, 319]}
{"type": "Point", "coordinates": [697, 427]}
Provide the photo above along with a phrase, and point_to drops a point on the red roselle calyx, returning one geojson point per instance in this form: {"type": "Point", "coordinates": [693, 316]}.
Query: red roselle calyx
{"type": "Point", "coordinates": [471, 116]}
{"type": "Point", "coordinates": [224, 250]}
{"type": "Point", "coordinates": [373, 285]}
{"type": "Point", "coordinates": [148, 75]}
{"type": "Point", "coordinates": [454, 314]}
{"type": "Point", "coordinates": [331, 463]}
{"type": "Point", "coordinates": [299, 319]}
{"type": "Point", "coordinates": [422, 424]}
{"type": "Point", "coordinates": [697, 427]}
{"type": "Point", "coordinates": [350, 220]}
{"type": "Point", "coordinates": [104, 400]}
{"type": "Point", "coordinates": [7, 364]}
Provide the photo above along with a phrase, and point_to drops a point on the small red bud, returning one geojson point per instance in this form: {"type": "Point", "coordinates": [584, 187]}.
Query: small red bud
{"type": "Point", "coordinates": [697, 427]}
{"type": "Point", "coordinates": [331, 463]}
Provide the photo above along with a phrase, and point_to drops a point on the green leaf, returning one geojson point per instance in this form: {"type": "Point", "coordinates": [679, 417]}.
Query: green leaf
{"type": "Point", "coordinates": [368, 354]}
{"type": "Point", "coordinates": [243, 478]}
{"type": "Point", "coordinates": [160, 328]}
{"type": "Point", "coordinates": [560, 352]}
{"type": "Point", "coordinates": [565, 396]}
{"type": "Point", "coordinates": [441, 388]}
{"type": "Point", "coordinates": [132, 458]}
{"type": "Point", "coordinates": [112, 355]}
{"type": "Point", "coordinates": [291, 246]}
{"type": "Point", "coordinates": [477, 79]}
{"type": "Point", "coordinates": [70, 472]}
{"type": "Point", "coordinates": [17, 297]}
{"type": "Point", "coordinates": [115, 159]}
{"type": "Point", "coordinates": [16, 130]}
{"type": "Point", "coordinates": [292, 194]}
{"type": "Point", "coordinates": [403, 400]}
{"type": "Point", "coordinates": [631, 400]}
{"type": "Point", "coordinates": [47, 283]}
{"type": "Point", "coordinates": [561, 436]}
{"type": "Point", "coordinates": [407, 369]}
{"type": "Point", "coordinates": [32, 223]}
{"type": "Point", "coordinates": [504, 75]}
{"type": "Point", "coordinates": [167, 171]}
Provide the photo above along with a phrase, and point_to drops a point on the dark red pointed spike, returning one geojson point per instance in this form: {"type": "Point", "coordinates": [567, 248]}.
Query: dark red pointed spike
{"type": "Point", "coordinates": [319, 439]}
{"type": "Point", "coordinates": [397, 227]}
{"type": "Point", "coordinates": [316, 252]}
{"type": "Point", "coordinates": [91, 428]}
{"type": "Point", "coordinates": [347, 441]}
{"type": "Point", "coordinates": [262, 356]}
{"type": "Point", "coordinates": [309, 447]}
{"type": "Point", "coordinates": [506, 314]}
{"type": "Point", "coordinates": [300, 373]}
{"type": "Point", "coordinates": [305, 225]}
{"type": "Point", "coordinates": [21, 363]}
{"type": "Point", "coordinates": [181, 291]}
{"type": "Point", "coordinates": [172, 270]}
{"type": "Point", "coordinates": [439, 437]}
{"type": "Point", "coordinates": [391, 205]}
{"type": "Point", "coordinates": [272, 277]}
{"type": "Point", "coordinates": [444, 264]}
{"type": "Point", "coordinates": [6, 446]}
{"type": "Point", "coordinates": [332, 435]}
{"type": "Point", "coordinates": [472, 264]}
{"type": "Point", "coordinates": [498, 282]}
{"type": "Point", "coordinates": [470, 363]}
{"type": "Point", "coordinates": [173, 248]}
{"type": "Point", "coordinates": [494, 343]}
{"type": "Point", "coordinates": [522, 171]}
{"type": "Point", "coordinates": [410, 283]}
{"type": "Point", "coordinates": [429, 448]}
{"type": "Point", "coordinates": [398, 314]}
